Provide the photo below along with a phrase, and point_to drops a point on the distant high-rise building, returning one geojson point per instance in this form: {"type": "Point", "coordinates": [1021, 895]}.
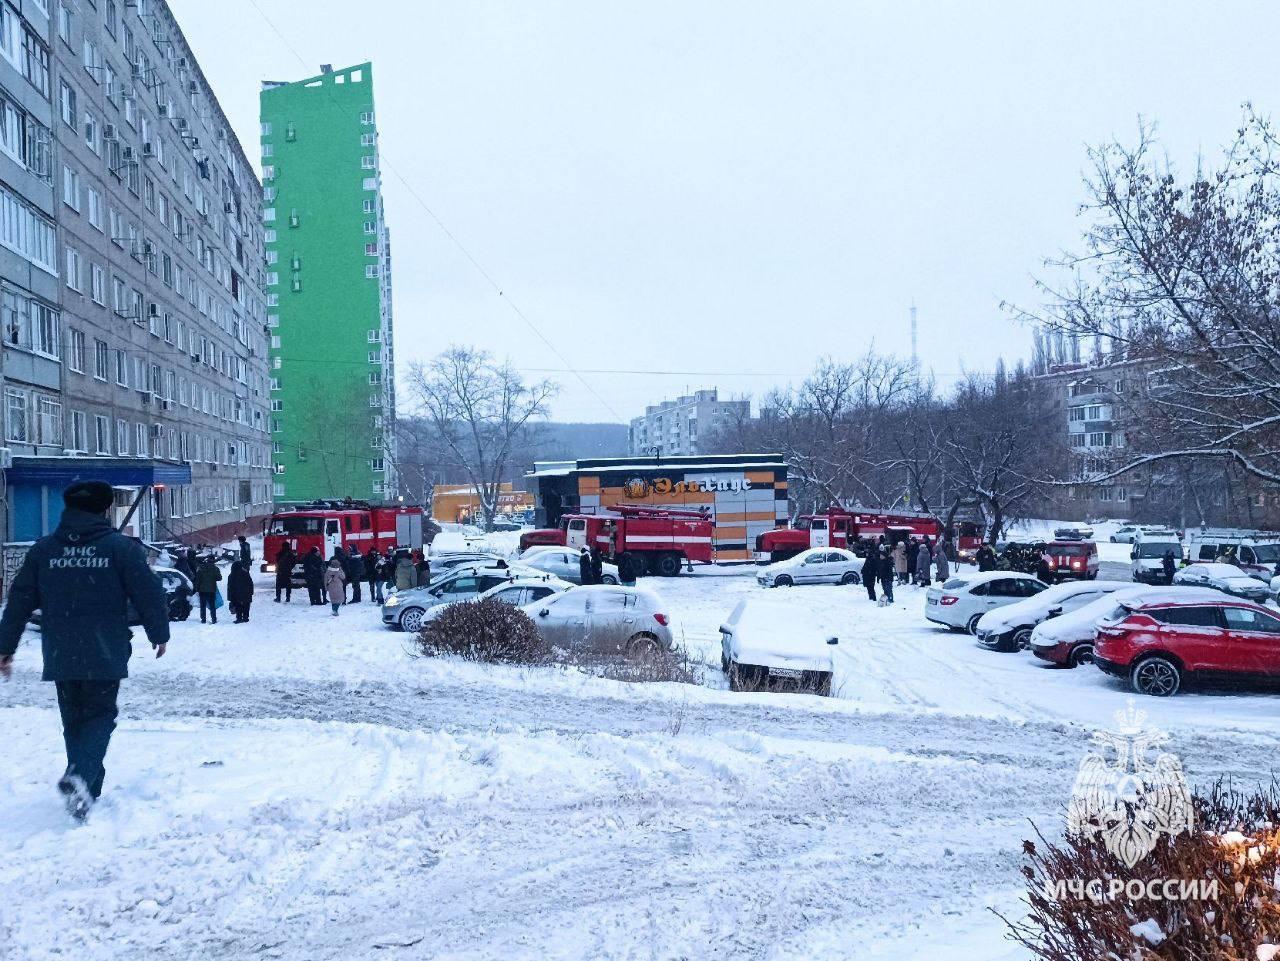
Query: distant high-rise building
{"type": "Point", "coordinates": [333, 401]}
{"type": "Point", "coordinates": [677, 427]}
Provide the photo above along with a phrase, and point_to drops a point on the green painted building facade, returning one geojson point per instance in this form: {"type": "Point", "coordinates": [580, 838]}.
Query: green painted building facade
{"type": "Point", "coordinates": [328, 289]}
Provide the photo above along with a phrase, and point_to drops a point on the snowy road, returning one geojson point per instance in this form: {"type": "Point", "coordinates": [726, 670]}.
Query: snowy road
{"type": "Point", "coordinates": [300, 788]}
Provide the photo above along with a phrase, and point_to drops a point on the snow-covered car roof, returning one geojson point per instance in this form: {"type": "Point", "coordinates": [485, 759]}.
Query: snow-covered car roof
{"type": "Point", "coordinates": [775, 632]}
{"type": "Point", "coordinates": [1039, 604]}
{"type": "Point", "coordinates": [972, 579]}
{"type": "Point", "coordinates": [810, 551]}
{"type": "Point", "coordinates": [642, 594]}
{"type": "Point", "coordinates": [1220, 571]}
{"type": "Point", "coordinates": [1082, 623]}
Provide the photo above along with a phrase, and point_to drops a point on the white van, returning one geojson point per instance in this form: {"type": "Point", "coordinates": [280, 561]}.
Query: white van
{"type": "Point", "coordinates": [1147, 557]}
{"type": "Point", "coordinates": [1257, 552]}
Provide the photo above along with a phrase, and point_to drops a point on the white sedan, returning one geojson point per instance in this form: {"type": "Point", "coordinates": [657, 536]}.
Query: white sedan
{"type": "Point", "coordinates": [517, 593]}
{"type": "Point", "coordinates": [1226, 578]}
{"type": "Point", "coordinates": [818, 565]}
{"type": "Point", "coordinates": [960, 603]}
{"type": "Point", "coordinates": [764, 645]}
{"type": "Point", "coordinates": [1009, 628]}
{"type": "Point", "coordinates": [566, 564]}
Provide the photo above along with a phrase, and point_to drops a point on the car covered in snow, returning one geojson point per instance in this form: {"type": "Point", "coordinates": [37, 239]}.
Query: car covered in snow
{"type": "Point", "coordinates": [818, 565]}
{"type": "Point", "coordinates": [518, 592]}
{"type": "Point", "coordinates": [405, 609]}
{"type": "Point", "coordinates": [1226, 578]}
{"type": "Point", "coordinates": [604, 619]}
{"type": "Point", "coordinates": [1068, 640]}
{"type": "Point", "coordinates": [1158, 646]}
{"type": "Point", "coordinates": [566, 564]}
{"type": "Point", "coordinates": [960, 602]}
{"type": "Point", "coordinates": [767, 645]}
{"type": "Point", "coordinates": [1132, 533]}
{"type": "Point", "coordinates": [1009, 628]}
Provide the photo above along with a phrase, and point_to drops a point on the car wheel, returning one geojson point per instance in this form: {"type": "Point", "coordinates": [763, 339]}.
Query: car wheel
{"type": "Point", "coordinates": [849, 578]}
{"type": "Point", "coordinates": [411, 620]}
{"type": "Point", "coordinates": [1157, 676]}
{"type": "Point", "coordinates": [1080, 654]}
{"type": "Point", "coordinates": [783, 580]}
{"type": "Point", "coordinates": [972, 626]}
{"type": "Point", "coordinates": [643, 645]}
{"type": "Point", "coordinates": [668, 565]}
{"type": "Point", "coordinates": [1021, 639]}
{"type": "Point", "coordinates": [608, 579]}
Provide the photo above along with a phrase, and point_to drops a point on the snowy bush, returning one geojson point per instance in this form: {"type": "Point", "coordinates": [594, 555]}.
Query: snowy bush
{"type": "Point", "coordinates": [1236, 844]}
{"type": "Point", "coordinates": [486, 630]}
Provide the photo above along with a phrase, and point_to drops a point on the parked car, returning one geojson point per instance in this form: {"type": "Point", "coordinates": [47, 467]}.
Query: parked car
{"type": "Point", "coordinates": [1158, 647]}
{"type": "Point", "coordinates": [960, 603]}
{"type": "Point", "coordinates": [1257, 552]}
{"type": "Point", "coordinates": [1226, 578]}
{"type": "Point", "coordinates": [762, 645]}
{"type": "Point", "coordinates": [566, 564]}
{"type": "Point", "coordinates": [1068, 640]}
{"type": "Point", "coordinates": [604, 619]}
{"type": "Point", "coordinates": [1074, 532]}
{"type": "Point", "coordinates": [1074, 559]}
{"type": "Point", "coordinates": [1009, 628]}
{"type": "Point", "coordinates": [1126, 534]}
{"type": "Point", "coordinates": [446, 561]}
{"type": "Point", "coordinates": [518, 593]}
{"type": "Point", "coordinates": [1146, 560]}
{"type": "Point", "coordinates": [404, 610]}
{"type": "Point", "coordinates": [818, 565]}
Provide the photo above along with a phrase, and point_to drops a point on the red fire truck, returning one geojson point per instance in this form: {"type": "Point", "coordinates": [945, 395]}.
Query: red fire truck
{"type": "Point", "coordinates": [660, 540]}
{"type": "Point", "coordinates": [329, 525]}
{"type": "Point", "coordinates": [839, 527]}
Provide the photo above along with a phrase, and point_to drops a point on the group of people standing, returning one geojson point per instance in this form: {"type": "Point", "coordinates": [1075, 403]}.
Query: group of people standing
{"type": "Point", "coordinates": [328, 582]}
{"type": "Point", "coordinates": [908, 561]}
{"type": "Point", "coordinates": [200, 567]}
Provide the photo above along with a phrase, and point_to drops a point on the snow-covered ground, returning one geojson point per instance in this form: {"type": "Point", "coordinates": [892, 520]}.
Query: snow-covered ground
{"type": "Point", "coordinates": [301, 787]}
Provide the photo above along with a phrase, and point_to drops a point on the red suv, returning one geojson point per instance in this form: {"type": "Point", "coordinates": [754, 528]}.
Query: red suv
{"type": "Point", "coordinates": [1073, 559]}
{"type": "Point", "coordinates": [1159, 645]}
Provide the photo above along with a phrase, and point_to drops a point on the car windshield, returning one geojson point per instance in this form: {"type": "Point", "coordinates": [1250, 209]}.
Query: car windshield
{"type": "Point", "coordinates": [293, 526]}
{"type": "Point", "coordinates": [1155, 549]}
{"type": "Point", "coordinates": [1070, 550]}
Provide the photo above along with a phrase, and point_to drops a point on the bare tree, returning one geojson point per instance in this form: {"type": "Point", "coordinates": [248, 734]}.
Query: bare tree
{"type": "Point", "coordinates": [480, 413]}
{"type": "Point", "coordinates": [1181, 276]}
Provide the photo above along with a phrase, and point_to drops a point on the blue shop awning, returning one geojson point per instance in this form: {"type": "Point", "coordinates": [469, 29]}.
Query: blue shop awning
{"type": "Point", "coordinates": [60, 472]}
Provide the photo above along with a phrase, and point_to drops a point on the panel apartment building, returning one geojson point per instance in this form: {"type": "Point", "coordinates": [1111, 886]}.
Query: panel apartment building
{"type": "Point", "coordinates": [676, 427]}
{"type": "Point", "coordinates": [133, 308]}
{"type": "Point", "coordinates": [333, 399]}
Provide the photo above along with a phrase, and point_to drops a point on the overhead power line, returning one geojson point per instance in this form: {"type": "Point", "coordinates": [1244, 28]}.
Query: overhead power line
{"type": "Point", "coordinates": [479, 267]}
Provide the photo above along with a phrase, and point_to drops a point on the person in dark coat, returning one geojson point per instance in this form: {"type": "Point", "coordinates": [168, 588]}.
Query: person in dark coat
{"type": "Point", "coordinates": [627, 570]}
{"type": "Point", "coordinates": [355, 573]}
{"type": "Point", "coordinates": [1044, 567]}
{"type": "Point", "coordinates": [83, 578]}
{"type": "Point", "coordinates": [986, 558]}
{"type": "Point", "coordinates": [206, 583]}
{"type": "Point", "coordinates": [423, 569]}
{"type": "Point", "coordinates": [313, 573]}
{"type": "Point", "coordinates": [183, 566]}
{"type": "Point", "coordinates": [286, 561]}
{"type": "Point", "coordinates": [246, 555]}
{"type": "Point", "coordinates": [597, 566]}
{"type": "Point", "coordinates": [888, 574]}
{"type": "Point", "coordinates": [913, 548]}
{"type": "Point", "coordinates": [372, 574]}
{"type": "Point", "coordinates": [240, 591]}
{"type": "Point", "coordinates": [871, 572]}
{"type": "Point", "coordinates": [924, 564]}
{"type": "Point", "coordinates": [585, 573]}
{"type": "Point", "coordinates": [1169, 566]}
{"type": "Point", "coordinates": [387, 572]}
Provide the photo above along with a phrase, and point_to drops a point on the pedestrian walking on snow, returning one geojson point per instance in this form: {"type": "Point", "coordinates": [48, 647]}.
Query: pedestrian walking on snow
{"type": "Point", "coordinates": [83, 579]}
{"type": "Point", "coordinates": [354, 569]}
{"type": "Point", "coordinates": [335, 579]}
{"type": "Point", "coordinates": [1168, 565]}
{"type": "Point", "coordinates": [372, 562]}
{"type": "Point", "coordinates": [246, 554]}
{"type": "Point", "coordinates": [585, 573]}
{"type": "Point", "coordinates": [206, 584]}
{"type": "Point", "coordinates": [313, 576]}
{"type": "Point", "coordinates": [870, 572]}
{"type": "Point", "coordinates": [943, 562]}
{"type": "Point", "coordinates": [900, 561]}
{"type": "Point", "coordinates": [240, 591]}
{"type": "Point", "coordinates": [924, 564]}
{"type": "Point", "coordinates": [887, 575]}
{"type": "Point", "coordinates": [286, 561]}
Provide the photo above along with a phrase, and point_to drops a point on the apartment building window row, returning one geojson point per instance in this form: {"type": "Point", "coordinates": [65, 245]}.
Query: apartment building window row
{"type": "Point", "coordinates": [22, 47]}
{"type": "Point", "coordinates": [31, 417]}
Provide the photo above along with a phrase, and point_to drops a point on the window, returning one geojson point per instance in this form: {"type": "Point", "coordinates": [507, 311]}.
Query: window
{"type": "Point", "coordinates": [73, 269]}
{"type": "Point", "coordinates": [1246, 619]}
{"type": "Point", "coordinates": [367, 139]}
{"type": "Point", "coordinates": [95, 208]}
{"type": "Point", "coordinates": [98, 284]}
{"type": "Point", "coordinates": [1100, 439]}
{"type": "Point", "coordinates": [48, 421]}
{"type": "Point", "coordinates": [16, 426]}
{"type": "Point", "coordinates": [71, 188]}
{"type": "Point", "coordinates": [101, 434]}
{"type": "Point", "coordinates": [375, 336]}
{"type": "Point", "coordinates": [26, 231]}
{"type": "Point", "coordinates": [67, 104]}
{"type": "Point", "coordinates": [122, 437]}
{"type": "Point", "coordinates": [25, 139]}
{"type": "Point", "coordinates": [370, 228]}
{"type": "Point", "coordinates": [371, 250]}
{"type": "Point", "coordinates": [370, 183]}
{"type": "Point", "coordinates": [35, 60]}
{"type": "Point", "coordinates": [368, 206]}
{"type": "Point", "coordinates": [375, 357]}
{"type": "Point", "coordinates": [1189, 616]}
{"type": "Point", "coordinates": [122, 368]}
{"type": "Point", "coordinates": [75, 350]}
{"type": "Point", "coordinates": [101, 359]}
{"type": "Point", "coordinates": [368, 162]}
{"type": "Point", "coordinates": [269, 216]}
{"type": "Point", "coordinates": [378, 465]}
{"type": "Point", "coordinates": [371, 271]}
{"type": "Point", "coordinates": [65, 18]}
{"type": "Point", "coordinates": [366, 118]}
{"type": "Point", "coordinates": [28, 323]}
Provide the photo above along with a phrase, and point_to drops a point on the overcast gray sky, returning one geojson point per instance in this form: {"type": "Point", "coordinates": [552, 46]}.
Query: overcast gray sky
{"type": "Point", "coordinates": [735, 188]}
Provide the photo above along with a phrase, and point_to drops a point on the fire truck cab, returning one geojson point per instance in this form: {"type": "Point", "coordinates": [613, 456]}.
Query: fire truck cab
{"type": "Point", "coordinates": [328, 525]}
{"type": "Point", "coordinates": [659, 540]}
{"type": "Point", "coordinates": [839, 527]}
